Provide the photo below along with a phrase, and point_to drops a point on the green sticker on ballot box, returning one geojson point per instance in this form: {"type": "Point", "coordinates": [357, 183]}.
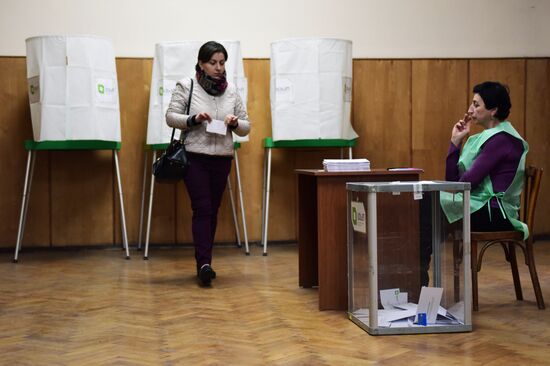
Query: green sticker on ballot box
{"type": "Point", "coordinates": [358, 217]}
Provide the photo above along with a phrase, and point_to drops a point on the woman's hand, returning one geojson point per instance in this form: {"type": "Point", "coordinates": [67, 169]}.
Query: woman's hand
{"type": "Point", "coordinates": [231, 120]}
{"type": "Point", "coordinates": [460, 130]}
{"type": "Point", "coordinates": [203, 116]}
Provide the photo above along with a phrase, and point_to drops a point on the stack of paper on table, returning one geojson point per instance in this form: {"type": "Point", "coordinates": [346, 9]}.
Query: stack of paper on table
{"type": "Point", "coordinates": [346, 165]}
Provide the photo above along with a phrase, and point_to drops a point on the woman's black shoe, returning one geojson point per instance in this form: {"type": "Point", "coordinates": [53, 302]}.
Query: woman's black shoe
{"type": "Point", "coordinates": [213, 272]}
{"type": "Point", "coordinates": [206, 274]}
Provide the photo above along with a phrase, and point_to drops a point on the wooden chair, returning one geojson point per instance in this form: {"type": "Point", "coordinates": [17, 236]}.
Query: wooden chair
{"type": "Point", "coordinates": [510, 239]}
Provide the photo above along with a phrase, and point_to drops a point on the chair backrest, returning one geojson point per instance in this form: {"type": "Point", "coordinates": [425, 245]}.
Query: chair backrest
{"type": "Point", "coordinates": [533, 177]}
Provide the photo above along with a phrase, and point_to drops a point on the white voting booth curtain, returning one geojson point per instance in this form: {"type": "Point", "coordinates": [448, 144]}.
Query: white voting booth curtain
{"type": "Point", "coordinates": [73, 90]}
{"type": "Point", "coordinates": [174, 61]}
{"type": "Point", "coordinates": [311, 81]}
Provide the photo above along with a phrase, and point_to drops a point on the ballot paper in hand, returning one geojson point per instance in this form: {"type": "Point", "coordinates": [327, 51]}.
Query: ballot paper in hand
{"type": "Point", "coordinates": [430, 297]}
{"type": "Point", "coordinates": [216, 126]}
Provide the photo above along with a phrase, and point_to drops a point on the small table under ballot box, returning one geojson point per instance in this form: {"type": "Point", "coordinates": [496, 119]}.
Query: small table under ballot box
{"type": "Point", "coordinates": [408, 270]}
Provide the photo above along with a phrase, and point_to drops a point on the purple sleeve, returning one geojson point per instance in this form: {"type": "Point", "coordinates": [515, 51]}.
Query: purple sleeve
{"type": "Point", "coordinates": [451, 165]}
{"type": "Point", "coordinates": [494, 150]}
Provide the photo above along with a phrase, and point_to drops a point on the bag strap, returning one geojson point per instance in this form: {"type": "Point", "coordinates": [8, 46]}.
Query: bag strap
{"type": "Point", "coordinates": [187, 112]}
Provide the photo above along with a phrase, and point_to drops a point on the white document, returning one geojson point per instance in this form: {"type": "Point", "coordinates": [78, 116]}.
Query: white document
{"type": "Point", "coordinates": [385, 316]}
{"type": "Point", "coordinates": [444, 316]}
{"type": "Point", "coordinates": [395, 314]}
{"type": "Point", "coordinates": [391, 297]}
{"type": "Point", "coordinates": [430, 297]}
{"type": "Point", "coordinates": [412, 306]}
{"type": "Point", "coordinates": [383, 323]}
{"type": "Point", "coordinates": [402, 323]}
{"type": "Point", "coordinates": [457, 311]}
{"type": "Point", "coordinates": [407, 306]}
{"type": "Point", "coordinates": [216, 126]}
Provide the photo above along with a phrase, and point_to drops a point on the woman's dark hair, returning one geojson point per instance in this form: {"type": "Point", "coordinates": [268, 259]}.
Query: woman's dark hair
{"type": "Point", "coordinates": [207, 50]}
{"type": "Point", "coordinates": [495, 95]}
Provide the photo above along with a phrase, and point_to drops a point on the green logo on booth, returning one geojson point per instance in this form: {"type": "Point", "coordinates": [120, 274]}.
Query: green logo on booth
{"type": "Point", "coordinates": [101, 88]}
{"type": "Point", "coordinates": [161, 91]}
{"type": "Point", "coordinates": [354, 215]}
{"type": "Point", "coordinates": [32, 89]}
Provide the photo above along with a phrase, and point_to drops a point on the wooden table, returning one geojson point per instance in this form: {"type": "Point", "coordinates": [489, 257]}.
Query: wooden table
{"type": "Point", "coordinates": [322, 235]}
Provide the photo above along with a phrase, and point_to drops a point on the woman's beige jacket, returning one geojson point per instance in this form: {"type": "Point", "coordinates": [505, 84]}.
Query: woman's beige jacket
{"type": "Point", "coordinates": [198, 140]}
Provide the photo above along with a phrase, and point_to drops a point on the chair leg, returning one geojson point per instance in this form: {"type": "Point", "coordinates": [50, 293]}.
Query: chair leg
{"type": "Point", "coordinates": [515, 273]}
{"type": "Point", "coordinates": [506, 251]}
{"type": "Point", "coordinates": [534, 277]}
{"type": "Point", "coordinates": [473, 256]}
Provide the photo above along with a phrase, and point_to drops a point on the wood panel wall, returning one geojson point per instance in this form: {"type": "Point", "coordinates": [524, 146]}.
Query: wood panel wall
{"type": "Point", "coordinates": [403, 111]}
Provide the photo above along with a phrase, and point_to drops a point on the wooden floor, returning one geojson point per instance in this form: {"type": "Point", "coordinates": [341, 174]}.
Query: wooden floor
{"type": "Point", "coordinates": [92, 307]}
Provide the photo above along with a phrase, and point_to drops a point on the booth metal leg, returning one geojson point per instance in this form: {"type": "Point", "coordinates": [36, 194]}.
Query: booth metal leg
{"type": "Point", "coordinates": [121, 197]}
{"type": "Point", "coordinates": [267, 179]}
{"type": "Point", "coordinates": [241, 202]}
{"type": "Point", "coordinates": [350, 153]}
{"type": "Point", "coordinates": [31, 156]}
{"type": "Point", "coordinates": [149, 210]}
{"type": "Point", "coordinates": [263, 197]}
{"type": "Point", "coordinates": [31, 175]}
{"type": "Point", "coordinates": [233, 210]}
{"type": "Point", "coordinates": [142, 200]}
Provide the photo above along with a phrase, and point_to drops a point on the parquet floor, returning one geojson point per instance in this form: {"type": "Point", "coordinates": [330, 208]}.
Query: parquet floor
{"type": "Point", "coordinates": [92, 307]}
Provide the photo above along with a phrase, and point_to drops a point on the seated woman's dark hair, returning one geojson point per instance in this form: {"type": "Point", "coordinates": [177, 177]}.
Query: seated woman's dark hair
{"type": "Point", "coordinates": [495, 95]}
{"type": "Point", "coordinates": [207, 50]}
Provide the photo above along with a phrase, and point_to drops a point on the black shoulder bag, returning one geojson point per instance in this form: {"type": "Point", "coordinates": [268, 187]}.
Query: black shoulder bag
{"type": "Point", "coordinates": [172, 166]}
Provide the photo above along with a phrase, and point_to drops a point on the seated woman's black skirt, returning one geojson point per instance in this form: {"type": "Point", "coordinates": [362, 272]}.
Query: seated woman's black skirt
{"type": "Point", "coordinates": [480, 220]}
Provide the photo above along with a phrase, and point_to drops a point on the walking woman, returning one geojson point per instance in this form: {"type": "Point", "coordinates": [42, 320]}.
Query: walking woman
{"type": "Point", "coordinates": [216, 111]}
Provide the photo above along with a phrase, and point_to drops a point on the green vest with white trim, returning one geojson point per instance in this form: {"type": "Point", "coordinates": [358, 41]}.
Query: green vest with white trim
{"type": "Point", "coordinates": [508, 201]}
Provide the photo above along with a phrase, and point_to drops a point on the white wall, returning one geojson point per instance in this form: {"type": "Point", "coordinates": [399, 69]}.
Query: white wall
{"type": "Point", "coordinates": [378, 28]}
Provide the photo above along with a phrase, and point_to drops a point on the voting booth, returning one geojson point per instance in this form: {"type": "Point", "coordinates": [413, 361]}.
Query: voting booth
{"type": "Point", "coordinates": [310, 93]}
{"type": "Point", "coordinates": [311, 85]}
{"type": "Point", "coordinates": [73, 89]}
{"type": "Point", "coordinates": [73, 96]}
{"type": "Point", "coordinates": [174, 61]}
{"type": "Point", "coordinates": [408, 268]}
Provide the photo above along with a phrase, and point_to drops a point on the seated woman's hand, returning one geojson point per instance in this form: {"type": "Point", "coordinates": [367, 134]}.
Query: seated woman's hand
{"type": "Point", "coordinates": [460, 130]}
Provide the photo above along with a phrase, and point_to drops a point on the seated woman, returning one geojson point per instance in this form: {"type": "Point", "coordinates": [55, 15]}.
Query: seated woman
{"type": "Point", "coordinates": [493, 161]}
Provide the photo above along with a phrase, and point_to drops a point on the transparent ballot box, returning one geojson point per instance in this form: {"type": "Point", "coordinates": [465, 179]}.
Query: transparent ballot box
{"type": "Point", "coordinates": [409, 257]}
